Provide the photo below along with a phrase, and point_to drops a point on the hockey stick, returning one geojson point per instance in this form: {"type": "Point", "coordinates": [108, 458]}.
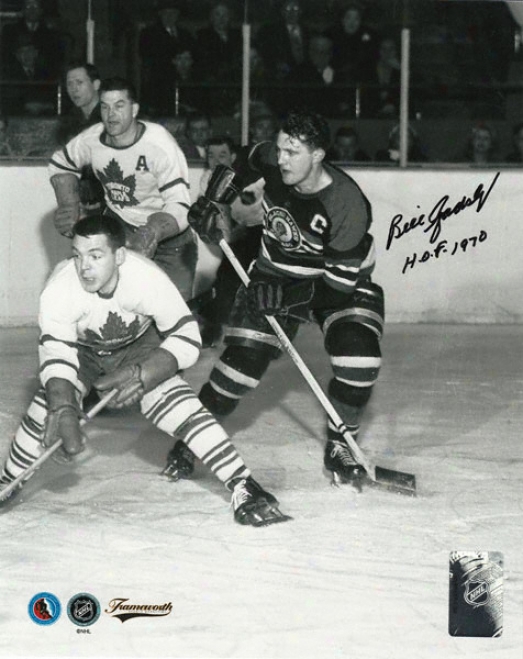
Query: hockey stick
{"type": "Point", "coordinates": [390, 479]}
{"type": "Point", "coordinates": [54, 447]}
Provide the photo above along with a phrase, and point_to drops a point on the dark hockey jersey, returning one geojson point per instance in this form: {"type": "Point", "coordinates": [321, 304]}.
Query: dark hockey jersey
{"type": "Point", "coordinates": [325, 234]}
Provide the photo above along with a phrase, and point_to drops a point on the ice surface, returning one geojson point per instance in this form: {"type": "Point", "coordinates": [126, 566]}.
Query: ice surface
{"type": "Point", "coordinates": [353, 575]}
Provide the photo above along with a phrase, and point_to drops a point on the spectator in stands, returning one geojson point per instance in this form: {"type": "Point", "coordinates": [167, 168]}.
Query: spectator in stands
{"type": "Point", "coordinates": [481, 146]}
{"type": "Point", "coordinates": [283, 41]}
{"type": "Point", "coordinates": [382, 99]}
{"type": "Point", "coordinates": [315, 78]}
{"type": "Point", "coordinates": [82, 82]}
{"type": "Point", "coordinates": [346, 146]}
{"type": "Point", "coordinates": [219, 57]}
{"type": "Point", "coordinates": [158, 46]}
{"type": "Point", "coordinates": [264, 127]}
{"type": "Point", "coordinates": [199, 130]}
{"type": "Point", "coordinates": [177, 126]}
{"type": "Point", "coordinates": [6, 149]}
{"type": "Point", "coordinates": [415, 151]}
{"type": "Point", "coordinates": [355, 45]}
{"type": "Point", "coordinates": [25, 68]}
{"type": "Point", "coordinates": [32, 29]}
{"type": "Point", "coordinates": [516, 155]}
{"type": "Point", "coordinates": [187, 96]}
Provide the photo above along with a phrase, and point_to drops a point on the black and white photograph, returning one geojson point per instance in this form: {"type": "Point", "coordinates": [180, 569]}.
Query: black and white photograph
{"type": "Point", "coordinates": [261, 329]}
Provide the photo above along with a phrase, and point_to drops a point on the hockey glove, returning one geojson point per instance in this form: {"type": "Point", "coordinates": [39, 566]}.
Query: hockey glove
{"type": "Point", "coordinates": [133, 381]}
{"type": "Point", "coordinates": [206, 218]}
{"type": "Point", "coordinates": [145, 239]}
{"type": "Point", "coordinates": [272, 298]}
{"type": "Point", "coordinates": [65, 217]}
{"type": "Point", "coordinates": [63, 417]}
{"type": "Point", "coordinates": [207, 215]}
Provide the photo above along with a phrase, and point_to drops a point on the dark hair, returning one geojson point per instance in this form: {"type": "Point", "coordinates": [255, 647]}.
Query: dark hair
{"type": "Point", "coordinates": [308, 127]}
{"type": "Point", "coordinates": [94, 225]}
{"type": "Point", "coordinates": [117, 84]}
{"type": "Point", "coordinates": [346, 131]}
{"type": "Point", "coordinates": [222, 139]}
{"type": "Point", "coordinates": [90, 69]}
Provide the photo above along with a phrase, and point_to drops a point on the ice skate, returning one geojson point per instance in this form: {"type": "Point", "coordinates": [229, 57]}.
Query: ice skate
{"type": "Point", "coordinates": [254, 506]}
{"type": "Point", "coordinates": [180, 462]}
{"type": "Point", "coordinates": [339, 461]}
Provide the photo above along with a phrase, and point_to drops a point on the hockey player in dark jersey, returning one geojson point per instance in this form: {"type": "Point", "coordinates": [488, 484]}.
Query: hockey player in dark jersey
{"type": "Point", "coordinates": [315, 263]}
{"type": "Point", "coordinates": [112, 319]}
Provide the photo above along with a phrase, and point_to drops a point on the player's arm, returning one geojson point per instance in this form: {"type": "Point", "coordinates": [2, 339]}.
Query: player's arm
{"type": "Point", "coordinates": [172, 174]}
{"type": "Point", "coordinates": [65, 169]}
{"type": "Point", "coordinates": [350, 248]}
{"type": "Point", "coordinates": [59, 370]}
{"type": "Point", "coordinates": [179, 349]}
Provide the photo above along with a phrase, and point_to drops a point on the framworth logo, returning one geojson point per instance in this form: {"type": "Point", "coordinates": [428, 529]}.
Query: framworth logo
{"type": "Point", "coordinates": [118, 608]}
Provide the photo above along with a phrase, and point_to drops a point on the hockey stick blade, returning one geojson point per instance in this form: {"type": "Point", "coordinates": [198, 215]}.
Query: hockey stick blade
{"type": "Point", "coordinates": [393, 481]}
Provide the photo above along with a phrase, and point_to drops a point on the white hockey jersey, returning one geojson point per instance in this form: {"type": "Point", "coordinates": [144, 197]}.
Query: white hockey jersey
{"type": "Point", "coordinates": [69, 316]}
{"type": "Point", "coordinates": [148, 176]}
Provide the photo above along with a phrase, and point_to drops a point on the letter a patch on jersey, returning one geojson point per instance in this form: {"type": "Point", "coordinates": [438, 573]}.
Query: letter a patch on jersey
{"type": "Point", "coordinates": [141, 165]}
{"type": "Point", "coordinates": [120, 189]}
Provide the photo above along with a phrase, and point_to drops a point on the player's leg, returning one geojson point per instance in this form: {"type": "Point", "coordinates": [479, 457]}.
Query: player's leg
{"type": "Point", "coordinates": [352, 340]}
{"type": "Point", "coordinates": [177, 257]}
{"type": "Point", "coordinates": [250, 347]}
{"type": "Point", "coordinates": [26, 446]}
{"type": "Point", "coordinates": [175, 409]}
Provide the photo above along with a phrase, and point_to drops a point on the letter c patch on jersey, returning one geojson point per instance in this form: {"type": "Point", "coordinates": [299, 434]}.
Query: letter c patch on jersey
{"type": "Point", "coordinates": [318, 224]}
{"type": "Point", "coordinates": [282, 227]}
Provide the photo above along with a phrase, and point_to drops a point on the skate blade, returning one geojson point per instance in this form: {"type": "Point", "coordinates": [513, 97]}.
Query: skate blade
{"type": "Point", "coordinates": [173, 475]}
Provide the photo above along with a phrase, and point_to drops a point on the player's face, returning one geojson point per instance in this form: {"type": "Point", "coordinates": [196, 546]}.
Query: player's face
{"type": "Point", "coordinates": [96, 263]}
{"type": "Point", "coordinates": [295, 160]}
{"type": "Point", "coordinates": [118, 114]}
{"type": "Point", "coordinates": [219, 154]}
{"type": "Point", "coordinates": [80, 87]}
{"type": "Point", "coordinates": [199, 132]}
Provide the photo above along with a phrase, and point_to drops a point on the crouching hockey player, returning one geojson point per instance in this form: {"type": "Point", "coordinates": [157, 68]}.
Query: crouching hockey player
{"type": "Point", "coordinates": [315, 263]}
{"type": "Point", "coordinates": [111, 319]}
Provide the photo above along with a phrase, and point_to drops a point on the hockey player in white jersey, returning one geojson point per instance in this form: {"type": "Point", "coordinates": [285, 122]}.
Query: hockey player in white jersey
{"type": "Point", "coordinates": [145, 178]}
{"type": "Point", "coordinates": [111, 319]}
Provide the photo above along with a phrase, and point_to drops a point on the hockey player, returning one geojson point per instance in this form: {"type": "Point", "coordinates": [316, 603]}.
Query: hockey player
{"type": "Point", "coordinates": [145, 179]}
{"type": "Point", "coordinates": [315, 262]}
{"type": "Point", "coordinates": [111, 319]}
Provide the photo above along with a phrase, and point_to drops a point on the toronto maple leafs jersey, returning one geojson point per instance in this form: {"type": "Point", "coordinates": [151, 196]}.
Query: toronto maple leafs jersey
{"type": "Point", "coordinates": [144, 295]}
{"type": "Point", "coordinates": [148, 176]}
{"type": "Point", "coordinates": [324, 234]}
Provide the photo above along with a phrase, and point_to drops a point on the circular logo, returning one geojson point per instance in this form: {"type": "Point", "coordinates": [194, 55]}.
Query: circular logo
{"type": "Point", "coordinates": [83, 609]}
{"type": "Point", "coordinates": [282, 227]}
{"type": "Point", "coordinates": [44, 609]}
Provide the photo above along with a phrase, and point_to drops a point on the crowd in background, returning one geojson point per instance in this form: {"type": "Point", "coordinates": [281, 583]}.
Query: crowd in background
{"type": "Point", "coordinates": [189, 73]}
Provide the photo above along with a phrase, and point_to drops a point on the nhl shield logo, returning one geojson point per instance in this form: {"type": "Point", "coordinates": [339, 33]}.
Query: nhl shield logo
{"type": "Point", "coordinates": [283, 228]}
{"type": "Point", "coordinates": [477, 592]}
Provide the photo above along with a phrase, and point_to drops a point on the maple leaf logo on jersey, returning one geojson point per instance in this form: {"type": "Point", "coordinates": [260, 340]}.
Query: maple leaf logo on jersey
{"type": "Point", "coordinates": [119, 189]}
{"type": "Point", "coordinates": [116, 332]}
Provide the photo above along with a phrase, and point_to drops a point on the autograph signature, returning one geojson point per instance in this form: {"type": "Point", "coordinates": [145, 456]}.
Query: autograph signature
{"type": "Point", "coordinates": [442, 211]}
